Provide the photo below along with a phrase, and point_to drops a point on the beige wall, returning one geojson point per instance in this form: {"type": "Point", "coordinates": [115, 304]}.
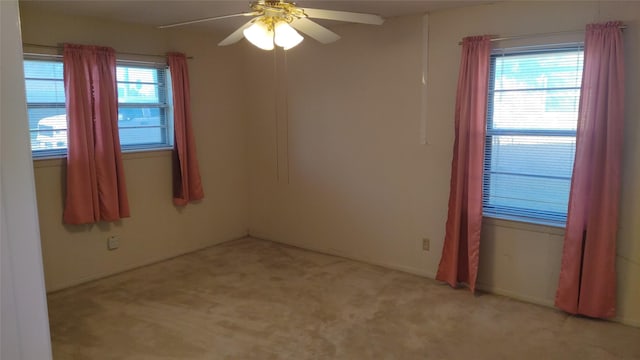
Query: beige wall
{"type": "Point", "coordinates": [156, 229]}
{"type": "Point", "coordinates": [356, 181]}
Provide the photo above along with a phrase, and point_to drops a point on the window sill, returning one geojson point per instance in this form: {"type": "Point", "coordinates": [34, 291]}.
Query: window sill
{"type": "Point", "coordinates": [57, 161]}
{"type": "Point", "coordinates": [146, 153]}
{"type": "Point", "coordinates": [522, 225]}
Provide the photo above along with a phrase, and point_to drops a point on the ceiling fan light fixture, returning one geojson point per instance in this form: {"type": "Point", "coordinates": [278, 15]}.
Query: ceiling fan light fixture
{"type": "Point", "coordinates": [272, 20]}
{"type": "Point", "coordinates": [259, 35]}
{"type": "Point", "coordinates": [286, 36]}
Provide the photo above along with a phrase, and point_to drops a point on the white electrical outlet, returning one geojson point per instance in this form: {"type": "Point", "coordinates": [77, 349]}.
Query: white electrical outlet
{"type": "Point", "coordinates": [113, 242]}
{"type": "Point", "coordinates": [426, 244]}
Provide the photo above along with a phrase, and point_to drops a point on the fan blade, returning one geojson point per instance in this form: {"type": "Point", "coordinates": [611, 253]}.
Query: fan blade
{"type": "Point", "coordinates": [344, 16]}
{"type": "Point", "coordinates": [236, 35]}
{"type": "Point", "coordinates": [316, 31]}
{"type": "Point", "coordinates": [208, 19]}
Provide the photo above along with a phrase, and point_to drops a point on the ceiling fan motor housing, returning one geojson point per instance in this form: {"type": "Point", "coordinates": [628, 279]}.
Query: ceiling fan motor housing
{"type": "Point", "coordinates": [274, 11]}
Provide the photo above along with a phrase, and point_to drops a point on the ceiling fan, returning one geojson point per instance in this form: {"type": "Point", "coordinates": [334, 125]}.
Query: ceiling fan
{"type": "Point", "coordinates": [276, 22]}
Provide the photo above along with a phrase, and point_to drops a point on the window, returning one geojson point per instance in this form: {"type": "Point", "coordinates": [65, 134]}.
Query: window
{"type": "Point", "coordinates": [143, 107]}
{"type": "Point", "coordinates": [46, 106]}
{"type": "Point", "coordinates": [531, 132]}
{"type": "Point", "coordinates": [144, 116]}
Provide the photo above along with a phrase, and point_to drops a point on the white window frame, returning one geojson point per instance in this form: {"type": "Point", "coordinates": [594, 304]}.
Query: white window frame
{"type": "Point", "coordinates": [166, 104]}
{"type": "Point", "coordinates": [49, 153]}
{"type": "Point", "coordinates": [549, 218]}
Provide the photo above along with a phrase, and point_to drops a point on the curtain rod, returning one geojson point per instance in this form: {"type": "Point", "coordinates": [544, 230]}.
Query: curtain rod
{"type": "Point", "coordinates": [58, 56]}
{"type": "Point", "coordinates": [117, 52]}
{"type": "Point", "coordinates": [515, 37]}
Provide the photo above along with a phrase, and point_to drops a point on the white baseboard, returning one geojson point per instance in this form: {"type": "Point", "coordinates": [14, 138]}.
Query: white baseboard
{"type": "Point", "coordinates": [543, 302]}
{"type": "Point", "coordinates": [420, 272]}
{"type": "Point", "coordinates": [626, 321]}
{"type": "Point", "coordinates": [407, 269]}
{"type": "Point", "coordinates": [335, 252]}
{"type": "Point", "coordinates": [75, 282]}
{"type": "Point", "coordinates": [514, 295]}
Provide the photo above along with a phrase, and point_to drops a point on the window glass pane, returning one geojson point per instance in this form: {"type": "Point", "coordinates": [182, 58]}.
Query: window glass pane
{"type": "Point", "coordinates": [45, 91]}
{"type": "Point", "coordinates": [138, 85]}
{"type": "Point", "coordinates": [38, 114]}
{"type": "Point", "coordinates": [530, 193]}
{"type": "Point", "coordinates": [531, 123]}
{"type": "Point", "coordinates": [142, 136]}
{"type": "Point", "coordinates": [39, 69]}
{"type": "Point", "coordinates": [536, 109]}
{"type": "Point", "coordinates": [530, 155]}
{"type": "Point", "coordinates": [534, 71]}
{"type": "Point", "coordinates": [140, 116]}
{"type": "Point", "coordinates": [143, 126]}
{"type": "Point", "coordinates": [50, 133]}
{"type": "Point", "coordinates": [43, 81]}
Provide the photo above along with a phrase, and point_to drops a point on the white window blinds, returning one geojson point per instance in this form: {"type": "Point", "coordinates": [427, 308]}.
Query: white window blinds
{"type": "Point", "coordinates": [531, 128]}
{"type": "Point", "coordinates": [145, 120]}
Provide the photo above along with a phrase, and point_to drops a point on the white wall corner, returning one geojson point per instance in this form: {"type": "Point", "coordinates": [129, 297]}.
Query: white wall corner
{"type": "Point", "coordinates": [25, 324]}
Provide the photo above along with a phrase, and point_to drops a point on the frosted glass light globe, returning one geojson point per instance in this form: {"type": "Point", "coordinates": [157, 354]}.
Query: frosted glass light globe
{"type": "Point", "coordinates": [286, 36]}
{"type": "Point", "coordinates": [259, 35]}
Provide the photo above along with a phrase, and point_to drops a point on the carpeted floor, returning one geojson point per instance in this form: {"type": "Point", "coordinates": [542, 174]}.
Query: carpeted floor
{"type": "Point", "coordinates": [254, 299]}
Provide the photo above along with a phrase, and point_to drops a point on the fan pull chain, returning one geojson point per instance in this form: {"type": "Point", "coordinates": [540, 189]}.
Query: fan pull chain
{"type": "Point", "coordinates": [275, 105]}
{"type": "Point", "coordinates": [281, 109]}
{"type": "Point", "coordinates": [286, 110]}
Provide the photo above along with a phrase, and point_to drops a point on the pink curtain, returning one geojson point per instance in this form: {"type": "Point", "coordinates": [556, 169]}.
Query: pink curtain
{"type": "Point", "coordinates": [187, 185]}
{"type": "Point", "coordinates": [460, 255]}
{"type": "Point", "coordinates": [587, 283]}
{"type": "Point", "coordinates": [96, 188]}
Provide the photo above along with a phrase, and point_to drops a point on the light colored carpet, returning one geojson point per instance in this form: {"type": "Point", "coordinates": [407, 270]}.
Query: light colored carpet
{"type": "Point", "coordinates": [254, 299]}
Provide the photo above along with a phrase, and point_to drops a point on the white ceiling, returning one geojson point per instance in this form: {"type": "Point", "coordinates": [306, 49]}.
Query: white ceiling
{"type": "Point", "coordinates": [161, 12]}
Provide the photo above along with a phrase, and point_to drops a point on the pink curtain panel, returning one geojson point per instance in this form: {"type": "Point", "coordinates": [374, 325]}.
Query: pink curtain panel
{"type": "Point", "coordinates": [95, 187]}
{"type": "Point", "coordinates": [460, 255]}
{"type": "Point", "coordinates": [187, 185]}
{"type": "Point", "coordinates": [587, 282]}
